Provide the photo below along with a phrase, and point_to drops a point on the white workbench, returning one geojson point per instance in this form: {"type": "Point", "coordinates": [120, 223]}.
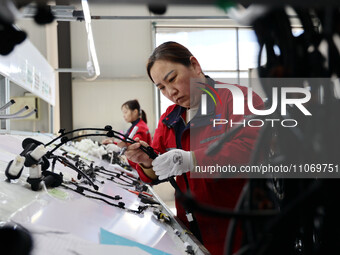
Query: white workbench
{"type": "Point", "coordinates": [80, 219]}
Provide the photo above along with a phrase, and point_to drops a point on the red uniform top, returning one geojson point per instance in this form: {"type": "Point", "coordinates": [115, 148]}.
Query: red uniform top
{"type": "Point", "coordinates": [172, 133]}
{"type": "Point", "coordinates": [142, 133]}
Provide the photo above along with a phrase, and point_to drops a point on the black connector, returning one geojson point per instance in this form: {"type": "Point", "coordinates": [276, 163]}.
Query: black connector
{"type": "Point", "coordinates": [147, 200]}
{"type": "Point", "coordinates": [35, 183]}
{"type": "Point", "coordinates": [9, 174]}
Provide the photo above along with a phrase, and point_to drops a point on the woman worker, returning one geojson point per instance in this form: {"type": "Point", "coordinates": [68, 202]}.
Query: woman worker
{"type": "Point", "coordinates": [133, 114]}
{"type": "Point", "coordinates": [171, 67]}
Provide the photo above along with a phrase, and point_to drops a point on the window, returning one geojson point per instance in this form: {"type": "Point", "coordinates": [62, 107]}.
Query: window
{"type": "Point", "coordinates": [222, 52]}
{"type": "Point", "coordinates": [3, 100]}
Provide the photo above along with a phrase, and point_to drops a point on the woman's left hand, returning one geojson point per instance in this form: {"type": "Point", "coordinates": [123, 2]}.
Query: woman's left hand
{"type": "Point", "coordinates": [172, 163]}
{"type": "Point", "coordinates": [135, 154]}
{"type": "Point", "coordinates": [107, 141]}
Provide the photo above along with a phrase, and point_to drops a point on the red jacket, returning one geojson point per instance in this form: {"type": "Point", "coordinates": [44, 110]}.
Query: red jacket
{"type": "Point", "coordinates": [142, 133]}
{"type": "Point", "coordinates": [215, 192]}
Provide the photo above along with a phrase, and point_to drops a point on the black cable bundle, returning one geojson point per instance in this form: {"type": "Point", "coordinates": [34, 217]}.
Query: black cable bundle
{"type": "Point", "coordinates": [307, 222]}
{"type": "Point", "coordinates": [291, 216]}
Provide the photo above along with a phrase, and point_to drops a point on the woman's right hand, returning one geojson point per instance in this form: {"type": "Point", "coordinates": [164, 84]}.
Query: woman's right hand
{"type": "Point", "coordinates": [135, 154]}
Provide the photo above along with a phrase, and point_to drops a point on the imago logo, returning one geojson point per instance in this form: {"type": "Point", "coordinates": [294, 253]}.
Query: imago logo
{"type": "Point", "coordinates": [238, 104]}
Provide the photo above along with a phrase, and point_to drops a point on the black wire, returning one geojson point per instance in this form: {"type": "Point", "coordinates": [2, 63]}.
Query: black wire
{"type": "Point", "coordinates": [228, 245]}
{"type": "Point", "coordinates": [118, 172]}
{"type": "Point", "coordinates": [96, 169]}
{"type": "Point", "coordinates": [77, 130]}
{"type": "Point", "coordinates": [140, 210]}
{"type": "Point", "coordinates": [217, 211]}
{"type": "Point", "coordinates": [123, 184]}
{"type": "Point", "coordinates": [193, 225]}
{"type": "Point", "coordinates": [112, 179]}
{"type": "Point", "coordinates": [227, 136]}
{"type": "Point", "coordinates": [310, 145]}
{"type": "Point", "coordinates": [115, 176]}
{"type": "Point", "coordinates": [243, 250]}
{"type": "Point", "coordinates": [73, 138]}
{"type": "Point", "coordinates": [70, 165]}
{"type": "Point", "coordinates": [117, 197]}
{"type": "Point", "coordinates": [222, 212]}
{"type": "Point", "coordinates": [272, 226]}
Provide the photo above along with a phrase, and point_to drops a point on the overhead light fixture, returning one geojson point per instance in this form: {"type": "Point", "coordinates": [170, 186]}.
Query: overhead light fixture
{"type": "Point", "coordinates": [92, 65]}
{"type": "Point", "coordinates": [86, 11]}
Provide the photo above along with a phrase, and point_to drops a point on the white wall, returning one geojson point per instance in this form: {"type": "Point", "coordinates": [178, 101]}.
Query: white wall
{"type": "Point", "coordinates": [98, 103]}
{"type": "Point", "coordinates": [123, 47]}
{"type": "Point", "coordinates": [35, 33]}
{"type": "Point", "coordinates": [38, 125]}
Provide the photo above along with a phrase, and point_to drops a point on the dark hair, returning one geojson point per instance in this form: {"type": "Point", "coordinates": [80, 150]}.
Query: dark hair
{"type": "Point", "coordinates": [170, 51]}
{"type": "Point", "coordinates": [133, 105]}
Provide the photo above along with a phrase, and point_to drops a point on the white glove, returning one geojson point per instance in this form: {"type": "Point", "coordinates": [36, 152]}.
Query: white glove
{"type": "Point", "coordinates": [171, 163]}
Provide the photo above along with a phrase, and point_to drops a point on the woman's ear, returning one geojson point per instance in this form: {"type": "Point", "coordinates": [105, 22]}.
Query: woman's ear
{"type": "Point", "coordinates": [196, 65]}
{"type": "Point", "coordinates": [136, 112]}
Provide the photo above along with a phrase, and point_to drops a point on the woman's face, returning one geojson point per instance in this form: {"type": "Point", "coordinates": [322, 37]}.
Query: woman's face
{"type": "Point", "coordinates": [173, 80]}
{"type": "Point", "coordinates": [129, 115]}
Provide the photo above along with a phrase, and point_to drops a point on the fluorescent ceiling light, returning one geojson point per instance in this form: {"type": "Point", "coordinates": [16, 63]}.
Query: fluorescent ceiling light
{"type": "Point", "coordinates": [90, 41]}
{"type": "Point", "coordinates": [86, 11]}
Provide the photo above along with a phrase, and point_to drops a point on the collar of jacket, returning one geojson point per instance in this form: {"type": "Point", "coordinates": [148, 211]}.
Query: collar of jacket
{"type": "Point", "coordinates": [199, 120]}
{"type": "Point", "coordinates": [174, 116]}
{"type": "Point", "coordinates": [134, 123]}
